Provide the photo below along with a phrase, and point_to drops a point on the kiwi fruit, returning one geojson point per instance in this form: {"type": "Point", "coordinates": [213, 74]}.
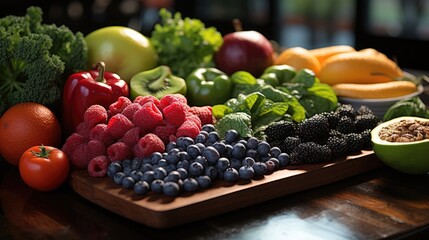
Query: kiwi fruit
{"type": "Point", "coordinates": [157, 82]}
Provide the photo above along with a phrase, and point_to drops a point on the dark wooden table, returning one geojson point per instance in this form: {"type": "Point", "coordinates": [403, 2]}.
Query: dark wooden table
{"type": "Point", "coordinates": [379, 204]}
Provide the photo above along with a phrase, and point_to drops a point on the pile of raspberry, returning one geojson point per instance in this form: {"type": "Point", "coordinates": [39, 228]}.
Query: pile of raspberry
{"type": "Point", "coordinates": [132, 129]}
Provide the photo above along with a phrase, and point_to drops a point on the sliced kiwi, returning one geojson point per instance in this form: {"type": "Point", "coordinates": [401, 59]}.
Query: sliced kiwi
{"type": "Point", "coordinates": [157, 82]}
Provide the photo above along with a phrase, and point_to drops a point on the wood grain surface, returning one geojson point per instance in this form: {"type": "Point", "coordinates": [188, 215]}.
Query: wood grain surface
{"type": "Point", "coordinates": [160, 211]}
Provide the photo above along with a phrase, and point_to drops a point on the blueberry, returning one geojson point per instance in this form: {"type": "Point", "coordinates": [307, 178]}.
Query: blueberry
{"type": "Point", "coordinates": [246, 172]}
{"type": "Point", "coordinates": [136, 163]}
{"type": "Point", "coordinates": [248, 161]}
{"type": "Point", "coordinates": [204, 181]}
{"type": "Point", "coordinates": [183, 164]}
{"type": "Point", "coordinates": [205, 133]}
{"type": "Point", "coordinates": [236, 163]}
{"type": "Point", "coordinates": [208, 128]}
{"type": "Point", "coordinates": [252, 153]}
{"type": "Point", "coordinates": [162, 162]}
{"type": "Point", "coordinates": [263, 148]}
{"type": "Point", "coordinates": [195, 169]}
{"type": "Point", "coordinates": [220, 147]}
{"type": "Point", "coordinates": [200, 146]}
{"type": "Point", "coordinates": [231, 175]}
{"type": "Point", "coordinates": [244, 142]}
{"type": "Point", "coordinates": [118, 177]}
{"type": "Point", "coordinates": [200, 138]}
{"type": "Point", "coordinates": [231, 135]}
{"type": "Point", "coordinates": [146, 167]}
{"type": "Point", "coordinates": [155, 157]}
{"type": "Point", "coordinates": [276, 162]}
{"type": "Point", "coordinates": [127, 170]}
{"type": "Point", "coordinates": [141, 187]}
{"type": "Point", "coordinates": [283, 159]}
{"type": "Point", "coordinates": [238, 151]}
{"type": "Point", "coordinates": [148, 176]}
{"type": "Point", "coordinates": [170, 146]}
{"type": "Point", "coordinates": [136, 175]}
{"type": "Point", "coordinates": [170, 167]}
{"type": "Point", "coordinates": [183, 173]}
{"type": "Point", "coordinates": [213, 137]}
{"type": "Point", "coordinates": [211, 171]}
{"type": "Point", "coordinates": [271, 166]}
{"type": "Point", "coordinates": [159, 173]}
{"type": "Point", "coordinates": [252, 143]}
{"type": "Point", "coordinates": [202, 160]}
{"type": "Point", "coordinates": [275, 151]}
{"type": "Point", "coordinates": [113, 168]}
{"type": "Point", "coordinates": [186, 142]}
{"type": "Point", "coordinates": [222, 163]}
{"type": "Point", "coordinates": [173, 176]}
{"type": "Point", "coordinates": [146, 160]}
{"type": "Point", "coordinates": [171, 189]}
{"type": "Point", "coordinates": [128, 182]}
{"type": "Point", "coordinates": [157, 185]}
{"type": "Point", "coordinates": [126, 162]}
{"type": "Point", "coordinates": [211, 154]}
{"type": "Point", "coordinates": [173, 156]}
{"type": "Point", "coordinates": [193, 151]}
{"type": "Point", "coordinates": [260, 168]}
{"type": "Point", "coordinates": [184, 156]}
{"type": "Point", "coordinates": [228, 150]}
{"type": "Point", "coordinates": [190, 184]}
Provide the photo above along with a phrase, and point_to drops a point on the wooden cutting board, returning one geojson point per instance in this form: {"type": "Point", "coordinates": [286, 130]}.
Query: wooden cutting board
{"type": "Point", "coordinates": [159, 211]}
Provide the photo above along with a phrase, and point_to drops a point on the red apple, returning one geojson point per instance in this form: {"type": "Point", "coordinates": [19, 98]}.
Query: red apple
{"type": "Point", "coordinates": [244, 51]}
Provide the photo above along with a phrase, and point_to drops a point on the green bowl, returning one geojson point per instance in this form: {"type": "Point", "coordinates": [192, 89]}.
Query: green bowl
{"type": "Point", "coordinates": [407, 157]}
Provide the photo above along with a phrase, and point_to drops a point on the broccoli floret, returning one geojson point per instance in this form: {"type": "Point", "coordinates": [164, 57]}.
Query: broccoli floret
{"type": "Point", "coordinates": [36, 59]}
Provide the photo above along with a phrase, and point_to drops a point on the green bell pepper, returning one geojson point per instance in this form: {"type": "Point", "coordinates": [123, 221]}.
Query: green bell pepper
{"type": "Point", "coordinates": [208, 86]}
{"type": "Point", "coordinates": [278, 74]}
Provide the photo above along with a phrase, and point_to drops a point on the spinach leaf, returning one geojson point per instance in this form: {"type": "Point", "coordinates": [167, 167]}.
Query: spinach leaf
{"type": "Point", "coordinates": [239, 121]}
{"type": "Point", "coordinates": [407, 107]}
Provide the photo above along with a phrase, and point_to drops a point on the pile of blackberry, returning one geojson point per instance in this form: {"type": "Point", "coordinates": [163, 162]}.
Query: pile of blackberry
{"type": "Point", "coordinates": [326, 136]}
{"type": "Point", "coordinates": [191, 164]}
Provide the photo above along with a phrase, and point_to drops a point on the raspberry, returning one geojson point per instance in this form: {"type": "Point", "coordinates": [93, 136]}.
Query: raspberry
{"type": "Point", "coordinates": [119, 151]}
{"type": "Point", "coordinates": [164, 132]}
{"type": "Point", "coordinates": [175, 114]}
{"type": "Point", "coordinates": [83, 129]}
{"type": "Point", "coordinates": [94, 115]}
{"type": "Point", "coordinates": [170, 98]}
{"type": "Point", "coordinates": [144, 99]}
{"type": "Point", "coordinates": [97, 167]}
{"type": "Point", "coordinates": [147, 145]}
{"type": "Point", "coordinates": [83, 153]}
{"type": "Point", "coordinates": [101, 133]}
{"type": "Point", "coordinates": [148, 117]}
{"type": "Point", "coordinates": [204, 114]}
{"type": "Point", "coordinates": [188, 129]}
{"type": "Point", "coordinates": [132, 136]}
{"type": "Point", "coordinates": [118, 125]}
{"type": "Point", "coordinates": [193, 118]}
{"type": "Point", "coordinates": [130, 110]}
{"type": "Point", "coordinates": [72, 142]}
{"type": "Point", "coordinates": [119, 105]}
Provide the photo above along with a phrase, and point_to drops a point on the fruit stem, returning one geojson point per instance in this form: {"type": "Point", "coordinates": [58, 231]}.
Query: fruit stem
{"type": "Point", "coordinates": [101, 66]}
{"type": "Point", "coordinates": [44, 153]}
{"type": "Point", "coordinates": [237, 25]}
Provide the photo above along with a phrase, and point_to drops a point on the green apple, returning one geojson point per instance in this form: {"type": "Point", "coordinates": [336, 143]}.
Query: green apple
{"type": "Point", "coordinates": [124, 50]}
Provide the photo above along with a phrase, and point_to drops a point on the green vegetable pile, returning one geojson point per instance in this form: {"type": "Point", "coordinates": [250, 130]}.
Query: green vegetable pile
{"type": "Point", "coordinates": [184, 44]}
{"type": "Point", "coordinates": [36, 58]}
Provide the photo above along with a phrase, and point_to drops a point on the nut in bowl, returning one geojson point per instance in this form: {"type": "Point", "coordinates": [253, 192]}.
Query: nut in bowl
{"type": "Point", "coordinates": [403, 144]}
{"type": "Point", "coordinates": [379, 105]}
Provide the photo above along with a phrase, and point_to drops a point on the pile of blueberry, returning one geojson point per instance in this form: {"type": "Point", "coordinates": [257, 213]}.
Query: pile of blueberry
{"type": "Point", "coordinates": [191, 164]}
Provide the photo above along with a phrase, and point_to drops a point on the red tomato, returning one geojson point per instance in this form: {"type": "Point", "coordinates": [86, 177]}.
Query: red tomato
{"type": "Point", "coordinates": [44, 168]}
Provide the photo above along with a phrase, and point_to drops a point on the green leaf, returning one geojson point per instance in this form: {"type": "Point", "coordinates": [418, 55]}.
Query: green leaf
{"type": "Point", "coordinates": [306, 77]}
{"type": "Point", "coordinates": [407, 107]}
{"type": "Point", "coordinates": [269, 112]}
{"type": "Point", "coordinates": [219, 111]}
{"type": "Point", "coordinates": [243, 77]}
{"type": "Point", "coordinates": [239, 121]}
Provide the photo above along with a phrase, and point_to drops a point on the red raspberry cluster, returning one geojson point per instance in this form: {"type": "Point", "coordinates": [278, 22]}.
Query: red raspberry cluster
{"type": "Point", "coordinates": [130, 129]}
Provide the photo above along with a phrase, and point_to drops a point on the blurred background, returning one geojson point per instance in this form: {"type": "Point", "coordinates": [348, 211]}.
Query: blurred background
{"type": "Point", "coordinates": [398, 28]}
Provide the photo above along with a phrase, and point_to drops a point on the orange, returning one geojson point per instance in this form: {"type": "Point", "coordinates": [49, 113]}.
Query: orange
{"type": "Point", "coordinates": [299, 58]}
{"type": "Point", "coordinates": [324, 53]}
{"type": "Point", "coordinates": [25, 125]}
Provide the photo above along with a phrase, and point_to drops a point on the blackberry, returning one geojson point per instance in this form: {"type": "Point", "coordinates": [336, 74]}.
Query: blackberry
{"type": "Point", "coordinates": [366, 121]}
{"type": "Point", "coordinates": [295, 159]}
{"type": "Point", "coordinates": [333, 118]}
{"type": "Point", "coordinates": [354, 142]}
{"type": "Point", "coordinates": [289, 144]}
{"type": "Point", "coordinates": [311, 152]}
{"type": "Point", "coordinates": [280, 130]}
{"type": "Point", "coordinates": [338, 146]}
{"type": "Point", "coordinates": [346, 110]}
{"type": "Point", "coordinates": [364, 109]}
{"type": "Point", "coordinates": [314, 128]}
{"type": "Point", "coordinates": [366, 139]}
{"type": "Point", "coordinates": [346, 125]}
